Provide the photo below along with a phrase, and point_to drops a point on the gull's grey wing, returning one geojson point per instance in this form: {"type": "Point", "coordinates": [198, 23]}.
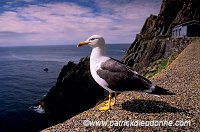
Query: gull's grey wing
{"type": "Point", "coordinates": [121, 77]}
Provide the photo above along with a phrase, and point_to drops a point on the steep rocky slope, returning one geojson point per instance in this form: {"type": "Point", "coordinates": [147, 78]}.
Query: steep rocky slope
{"type": "Point", "coordinates": [150, 44]}
{"type": "Point", "coordinates": [74, 92]}
{"type": "Point", "coordinates": [182, 77]}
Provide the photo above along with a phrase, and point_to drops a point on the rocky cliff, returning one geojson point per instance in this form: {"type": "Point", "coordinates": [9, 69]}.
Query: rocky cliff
{"type": "Point", "coordinates": [76, 91]}
{"type": "Point", "coordinates": [150, 44]}
{"type": "Point", "coordinates": [183, 109]}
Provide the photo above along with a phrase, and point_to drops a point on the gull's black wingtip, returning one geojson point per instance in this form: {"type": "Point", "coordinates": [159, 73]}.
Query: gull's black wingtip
{"type": "Point", "coordinates": [161, 91]}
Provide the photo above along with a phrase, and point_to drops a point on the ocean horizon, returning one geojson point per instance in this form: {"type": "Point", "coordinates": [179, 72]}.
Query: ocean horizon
{"type": "Point", "coordinates": [23, 81]}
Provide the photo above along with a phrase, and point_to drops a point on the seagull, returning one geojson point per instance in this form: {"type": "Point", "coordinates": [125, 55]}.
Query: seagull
{"type": "Point", "coordinates": [113, 75]}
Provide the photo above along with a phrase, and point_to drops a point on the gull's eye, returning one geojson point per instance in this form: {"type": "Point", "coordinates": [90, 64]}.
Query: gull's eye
{"type": "Point", "coordinates": [92, 39]}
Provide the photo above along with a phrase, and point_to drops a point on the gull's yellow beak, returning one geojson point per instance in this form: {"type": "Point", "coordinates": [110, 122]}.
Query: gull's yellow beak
{"type": "Point", "coordinates": [82, 43]}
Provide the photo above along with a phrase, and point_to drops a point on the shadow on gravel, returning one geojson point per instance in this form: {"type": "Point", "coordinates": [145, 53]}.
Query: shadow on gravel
{"type": "Point", "coordinates": [149, 106]}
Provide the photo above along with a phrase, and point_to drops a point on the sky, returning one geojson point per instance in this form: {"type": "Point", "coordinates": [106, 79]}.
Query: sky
{"type": "Point", "coordinates": [60, 22]}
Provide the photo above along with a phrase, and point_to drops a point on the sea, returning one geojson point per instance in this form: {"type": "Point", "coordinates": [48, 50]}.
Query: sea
{"type": "Point", "coordinates": [23, 81]}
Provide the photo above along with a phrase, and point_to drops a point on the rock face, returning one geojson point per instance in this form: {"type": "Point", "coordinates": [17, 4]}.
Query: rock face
{"type": "Point", "coordinates": [150, 43]}
{"type": "Point", "coordinates": [75, 91]}
{"type": "Point", "coordinates": [184, 106]}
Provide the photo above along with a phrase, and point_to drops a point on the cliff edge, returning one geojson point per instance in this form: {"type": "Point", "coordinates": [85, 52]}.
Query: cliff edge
{"type": "Point", "coordinates": [152, 41]}
{"type": "Point", "coordinates": [182, 77]}
{"type": "Point", "coordinates": [75, 91]}
{"type": "Point", "coordinates": [151, 44]}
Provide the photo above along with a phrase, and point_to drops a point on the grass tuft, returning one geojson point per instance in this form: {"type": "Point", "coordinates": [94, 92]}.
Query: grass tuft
{"type": "Point", "coordinates": [161, 64]}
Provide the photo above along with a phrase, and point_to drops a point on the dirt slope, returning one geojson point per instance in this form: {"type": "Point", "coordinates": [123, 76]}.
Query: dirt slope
{"type": "Point", "coordinates": [182, 77]}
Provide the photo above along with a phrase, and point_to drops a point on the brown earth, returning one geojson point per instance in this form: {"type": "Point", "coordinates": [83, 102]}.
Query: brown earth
{"type": "Point", "coordinates": [182, 77]}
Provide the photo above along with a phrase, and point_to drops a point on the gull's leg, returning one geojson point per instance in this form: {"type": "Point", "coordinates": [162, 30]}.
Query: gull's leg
{"type": "Point", "coordinates": [112, 103]}
{"type": "Point", "coordinates": [108, 105]}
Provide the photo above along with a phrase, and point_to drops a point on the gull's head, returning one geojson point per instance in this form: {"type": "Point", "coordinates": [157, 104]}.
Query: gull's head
{"type": "Point", "coordinates": [93, 41]}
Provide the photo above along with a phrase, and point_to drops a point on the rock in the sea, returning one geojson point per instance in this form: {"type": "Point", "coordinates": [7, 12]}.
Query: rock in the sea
{"type": "Point", "coordinates": [75, 91]}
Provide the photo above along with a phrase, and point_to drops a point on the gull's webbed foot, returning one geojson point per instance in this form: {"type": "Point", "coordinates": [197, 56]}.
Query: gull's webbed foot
{"type": "Point", "coordinates": [107, 107]}
{"type": "Point", "coordinates": [109, 104]}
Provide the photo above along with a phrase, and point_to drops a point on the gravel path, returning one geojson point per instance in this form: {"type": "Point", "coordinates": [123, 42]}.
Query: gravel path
{"type": "Point", "coordinates": [182, 77]}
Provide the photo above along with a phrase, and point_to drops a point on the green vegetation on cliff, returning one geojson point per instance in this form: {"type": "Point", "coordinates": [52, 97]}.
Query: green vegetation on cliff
{"type": "Point", "coordinates": [153, 41]}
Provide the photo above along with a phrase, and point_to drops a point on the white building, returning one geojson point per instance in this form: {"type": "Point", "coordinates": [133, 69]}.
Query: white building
{"type": "Point", "coordinates": [188, 29]}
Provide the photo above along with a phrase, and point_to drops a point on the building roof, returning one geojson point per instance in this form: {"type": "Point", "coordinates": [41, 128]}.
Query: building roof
{"type": "Point", "coordinates": [188, 23]}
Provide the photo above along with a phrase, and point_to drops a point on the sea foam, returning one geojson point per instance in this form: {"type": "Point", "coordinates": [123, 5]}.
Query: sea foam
{"type": "Point", "coordinates": [38, 109]}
